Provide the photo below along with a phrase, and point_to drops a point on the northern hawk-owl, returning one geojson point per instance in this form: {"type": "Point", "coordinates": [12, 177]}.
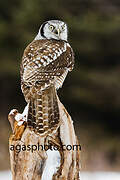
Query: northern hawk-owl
{"type": "Point", "coordinates": [45, 64]}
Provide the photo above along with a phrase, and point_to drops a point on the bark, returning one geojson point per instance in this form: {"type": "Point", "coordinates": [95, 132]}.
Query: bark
{"type": "Point", "coordinates": [29, 163]}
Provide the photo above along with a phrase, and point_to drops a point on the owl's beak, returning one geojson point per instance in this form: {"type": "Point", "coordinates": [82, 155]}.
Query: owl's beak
{"type": "Point", "coordinates": [57, 32]}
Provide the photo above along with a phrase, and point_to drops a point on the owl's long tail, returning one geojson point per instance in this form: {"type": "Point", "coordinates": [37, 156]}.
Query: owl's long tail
{"type": "Point", "coordinates": [43, 113]}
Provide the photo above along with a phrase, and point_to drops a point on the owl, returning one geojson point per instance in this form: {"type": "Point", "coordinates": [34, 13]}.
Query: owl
{"type": "Point", "coordinates": [45, 64]}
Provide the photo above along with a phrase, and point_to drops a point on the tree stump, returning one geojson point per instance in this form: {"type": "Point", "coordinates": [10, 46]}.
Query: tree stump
{"type": "Point", "coordinates": [30, 154]}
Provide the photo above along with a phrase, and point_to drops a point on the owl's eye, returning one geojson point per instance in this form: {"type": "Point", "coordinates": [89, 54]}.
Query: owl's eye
{"type": "Point", "coordinates": [63, 27]}
{"type": "Point", "coordinates": [51, 27]}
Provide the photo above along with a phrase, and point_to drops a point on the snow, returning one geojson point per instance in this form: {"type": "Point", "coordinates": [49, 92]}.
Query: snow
{"type": "Point", "coordinates": [52, 163]}
{"type": "Point", "coordinates": [100, 175]}
{"type": "Point", "coordinates": [6, 175]}
{"type": "Point", "coordinates": [21, 117]}
{"type": "Point", "coordinates": [18, 117]}
{"type": "Point", "coordinates": [12, 111]}
{"type": "Point", "coordinates": [25, 112]}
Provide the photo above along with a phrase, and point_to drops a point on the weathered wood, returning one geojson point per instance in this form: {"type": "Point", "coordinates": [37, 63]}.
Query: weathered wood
{"type": "Point", "coordinates": [30, 164]}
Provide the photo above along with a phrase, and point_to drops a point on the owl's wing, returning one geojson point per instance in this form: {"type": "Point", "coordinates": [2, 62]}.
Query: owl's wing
{"type": "Point", "coordinates": [45, 60]}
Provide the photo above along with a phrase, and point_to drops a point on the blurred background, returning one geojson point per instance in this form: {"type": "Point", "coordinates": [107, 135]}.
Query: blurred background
{"type": "Point", "coordinates": [90, 92]}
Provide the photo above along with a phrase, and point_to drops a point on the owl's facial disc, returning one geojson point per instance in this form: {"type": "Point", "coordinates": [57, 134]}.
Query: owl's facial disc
{"type": "Point", "coordinates": [54, 29]}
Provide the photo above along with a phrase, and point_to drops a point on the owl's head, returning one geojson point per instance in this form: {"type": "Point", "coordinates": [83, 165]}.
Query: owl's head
{"type": "Point", "coordinates": [53, 29]}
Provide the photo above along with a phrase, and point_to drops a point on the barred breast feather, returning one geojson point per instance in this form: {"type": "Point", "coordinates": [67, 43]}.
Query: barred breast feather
{"type": "Point", "coordinates": [44, 66]}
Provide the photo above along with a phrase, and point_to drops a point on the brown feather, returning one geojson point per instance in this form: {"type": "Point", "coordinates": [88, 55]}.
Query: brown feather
{"type": "Point", "coordinates": [44, 66]}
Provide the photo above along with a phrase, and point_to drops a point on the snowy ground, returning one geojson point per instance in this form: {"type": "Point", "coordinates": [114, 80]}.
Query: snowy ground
{"type": "Point", "coordinates": [6, 175]}
{"type": "Point", "coordinates": [100, 176]}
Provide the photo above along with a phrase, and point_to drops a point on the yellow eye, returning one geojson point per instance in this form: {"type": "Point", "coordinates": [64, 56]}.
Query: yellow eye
{"type": "Point", "coordinates": [51, 27]}
{"type": "Point", "coordinates": [63, 27]}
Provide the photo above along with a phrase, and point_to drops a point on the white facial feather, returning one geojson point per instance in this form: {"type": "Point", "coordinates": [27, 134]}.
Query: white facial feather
{"type": "Point", "coordinates": [59, 31]}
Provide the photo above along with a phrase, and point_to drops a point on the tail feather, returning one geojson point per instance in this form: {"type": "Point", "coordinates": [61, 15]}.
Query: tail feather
{"type": "Point", "coordinates": [56, 110]}
{"type": "Point", "coordinates": [31, 114]}
{"type": "Point", "coordinates": [43, 114]}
